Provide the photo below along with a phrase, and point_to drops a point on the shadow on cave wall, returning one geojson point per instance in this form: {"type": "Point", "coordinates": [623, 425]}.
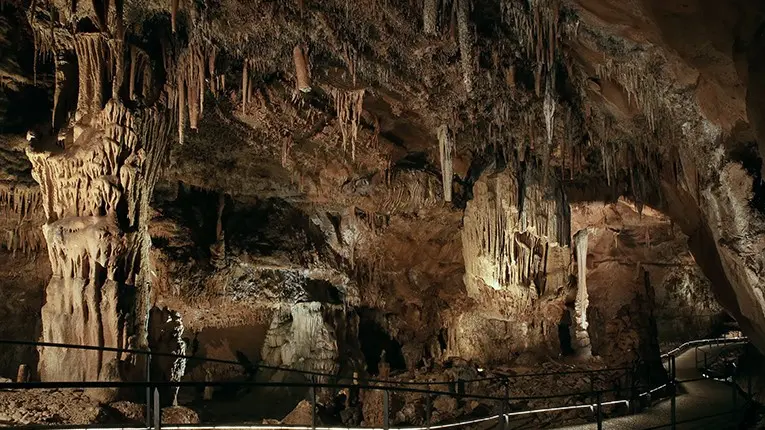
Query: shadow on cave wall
{"type": "Point", "coordinates": [266, 227]}
{"type": "Point", "coordinates": [374, 339]}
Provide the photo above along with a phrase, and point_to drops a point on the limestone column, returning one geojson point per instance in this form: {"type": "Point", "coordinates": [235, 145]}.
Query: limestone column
{"type": "Point", "coordinates": [96, 192]}
{"type": "Point", "coordinates": [581, 336]}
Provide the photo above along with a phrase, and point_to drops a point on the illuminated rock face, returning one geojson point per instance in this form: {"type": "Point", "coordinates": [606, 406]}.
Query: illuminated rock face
{"type": "Point", "coordinates": [582, 338]}
{"type": "Point", "coordinates": [517, 264]}
{"type": "Point", "coordinates": [95, 194]}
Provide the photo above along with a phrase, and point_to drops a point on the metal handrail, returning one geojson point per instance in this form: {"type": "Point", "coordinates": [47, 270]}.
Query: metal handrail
{"type": "Point", "coordinates": [387, 388]}
{"type": "Point", "coordinates": [304, 372]}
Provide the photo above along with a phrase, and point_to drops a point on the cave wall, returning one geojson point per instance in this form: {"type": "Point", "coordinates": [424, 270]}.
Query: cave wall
{"type": "Point", "coordinates": [515, 241]}
{"type": "Point", "coordinates": [422, 178]}
{"type": "Point", "coordinates": [625, 243]}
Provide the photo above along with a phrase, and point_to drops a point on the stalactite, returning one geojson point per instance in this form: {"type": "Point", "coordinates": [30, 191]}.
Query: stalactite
{"type": "Point", "coordinates": [430, 16]}
{"type": "Point", "coordinates": [190, 87]}
{"type": "Point", "coordinates": [211, 58]}
{"type": "Point", "coordinates": [640, 85]}
{"type": "Point", "coordinates": [94, 59]}
{"type": "Point", "coordinates": [349, 55]}
{"type": "Point", "coordinates": [582, 298]}
{"type": "Point", "coordinates": [174, 15]}
{"type": "Point", "coordinates": [301, 69]}
{"type": "Point", "coordinates": [348, 105]}
{"type": "Point", "coordinates": [245, 87]}
{"type": "Point", "coordinates": [537, 29]}
{"type": "Point", "coordinates": [466, 43]}
{"type": "Point", "coordinates": [132, 73]}
{"type": "Point", "coordinates": [549, 114]}
{"type": "Point", "coordinates": [446, 149]}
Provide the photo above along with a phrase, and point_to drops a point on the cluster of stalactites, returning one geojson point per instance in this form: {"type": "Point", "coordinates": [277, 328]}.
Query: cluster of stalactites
{"type": "Point", "coordinates": [508, 231]}
{"type": "Point", "coordinates": [635, 161]}
{"type": "Point", "coordinates": [446, 151]}
{"type": "Point", "coordinates": [19, 202]}
{"type": "Point", "coordinates": [190, 85]}
{"type": "Point", "coordinates": [99, 61]}
{"type": "Point", "coordinates": [19, 210]}
{"type": "Point", "coordinates": [348, 104]}
{"type": "Point", "coordinates": [538, 31]}
{"type": "Point", "coordinates": [639, 83]}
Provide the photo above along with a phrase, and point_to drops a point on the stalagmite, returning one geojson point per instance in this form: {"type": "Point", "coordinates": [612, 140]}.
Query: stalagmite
{"type": "Point", "coordinates": [95, 196]}
{"type": "Point", "coordinates": [446, 148]}
{"type": "Point", "coordinates": [430, 16]}
{"type": "Point", "coordinates": [582, 337]}
{"type": "Point", "coordinates": [301, 69]}
{"type": "Point", "coordinates": [466, 43]}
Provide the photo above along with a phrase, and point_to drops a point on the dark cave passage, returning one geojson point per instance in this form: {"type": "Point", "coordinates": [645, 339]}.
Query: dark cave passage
{"type": "Point", "coordinates": [374, 340]}
{"type": "Point", "coordinates": [564, 333]}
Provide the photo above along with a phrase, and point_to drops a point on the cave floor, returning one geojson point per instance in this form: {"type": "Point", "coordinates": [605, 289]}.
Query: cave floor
{"type": "Point", "coordinates": [695, 401]}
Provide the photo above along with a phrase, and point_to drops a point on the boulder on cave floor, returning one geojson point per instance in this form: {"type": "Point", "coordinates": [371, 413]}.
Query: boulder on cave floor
{"type": "Point", "coordinates": [301, 415]}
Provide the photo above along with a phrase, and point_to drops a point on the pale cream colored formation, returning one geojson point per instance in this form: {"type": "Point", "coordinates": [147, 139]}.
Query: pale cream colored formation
{"type": "Point", "coordinates": [515, 248]}
{"type": "Point", "coordinates": [95, 194]}
{"type": "Point", "coordinates": [348, 104]}
{"type": "Point", "coordinates": [582, 337]}
{"type": "Point", "coordinates": [446, 150]}
{"type": "Point", "coordinates": [506, 240]}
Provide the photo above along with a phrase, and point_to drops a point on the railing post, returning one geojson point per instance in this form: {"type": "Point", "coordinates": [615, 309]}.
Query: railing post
{"type": "Point", "coordinates": [386, 410]}
{"type": "Point", "coordinates": [427, 410]}
{"type": "Point", "coordinates": [313, 403]}
{"type": "Point", "coordinates": [633, 389]}
{"type": "Point", "coordinates": [157, 411]}
{"type": "Point", "coordinates": [705, 362]}
{"type": "Point", "coordinates": [696, 357]}
{"type": "Point", "coordinates": [673, 389]}
{"type": "Point", "coordinates": [592, 386]}
{"type": "Point", "coordinates": [600, 412]}
{"type": "Point", "coordinates": [148, 390]}
{"type": "Point", "coordinates": [734, 390]}
{"type": "Point", "coordinates": [503, 419]}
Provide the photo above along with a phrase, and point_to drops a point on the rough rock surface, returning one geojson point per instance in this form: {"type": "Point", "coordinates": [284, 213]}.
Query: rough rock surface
{"type": "Point", "coordinates": [421, 199]}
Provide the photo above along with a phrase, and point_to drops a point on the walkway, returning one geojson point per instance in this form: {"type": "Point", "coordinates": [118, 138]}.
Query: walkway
{"type": "Point", "coordinates": [695, 400]}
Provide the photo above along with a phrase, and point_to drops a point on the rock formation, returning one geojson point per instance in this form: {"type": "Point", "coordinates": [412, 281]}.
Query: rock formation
{"type": "Point", "coordinates": [406, 176]}
{"type": "Point", "coordinates": [582, 297]}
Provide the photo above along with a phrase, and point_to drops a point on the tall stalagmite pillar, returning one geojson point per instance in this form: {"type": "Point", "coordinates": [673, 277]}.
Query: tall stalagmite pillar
{"type": "Point", "coordinates": [582, 337]}
{"type": "Point", "coordinates": [96, 192]}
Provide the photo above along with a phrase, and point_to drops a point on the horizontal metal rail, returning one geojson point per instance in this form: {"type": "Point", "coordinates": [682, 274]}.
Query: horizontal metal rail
{"type": "Point", "coordinates": [386, 388]}
{"type": "Point", "coordinates": [298, 371]}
